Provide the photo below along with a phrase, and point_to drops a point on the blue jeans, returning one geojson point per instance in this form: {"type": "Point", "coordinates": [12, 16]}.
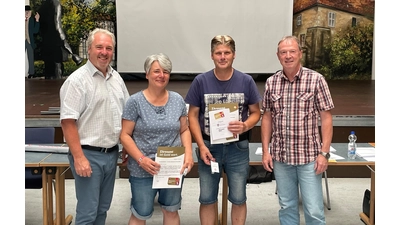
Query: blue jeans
{"type": "Point", "coordinates": [94, 194]}
{"type": "Point", "coordinates": [233, 158]}
{"type": "Point", "coordinates": [288, 179]}
{"type": "Point", "coordinates": [142, 202]}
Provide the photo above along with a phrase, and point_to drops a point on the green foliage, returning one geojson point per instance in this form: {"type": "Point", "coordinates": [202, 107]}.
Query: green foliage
{"type": "Point", "coordinates": [82, 16]}
{"type": "Point", "coordinates": [39, 68]}
{"type": "Point", "coordinates": [79, 17]}
{"type": "Point", "coordinates": [104, 10]}
{"type": "Point", "coordinates": [77, 21]}
{"type": "Point", "coordinates": [69, 67]}
{"type": "Point", "coordinates": [350, 54]}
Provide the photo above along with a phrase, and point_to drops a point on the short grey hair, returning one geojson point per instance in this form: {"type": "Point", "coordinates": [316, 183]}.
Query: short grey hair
{"type": "Point", "coordinates": [99, 30]}
{"type": "Point", "coordinates": [289, 38]}
{"type": "Point", "coordinates": [162, 59]}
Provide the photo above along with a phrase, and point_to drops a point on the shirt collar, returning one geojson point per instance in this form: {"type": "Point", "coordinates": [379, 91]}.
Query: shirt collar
{"type": "Point", "coordinates": [296, 77]}
{"type": "Point", "coordinates": [93, 70]}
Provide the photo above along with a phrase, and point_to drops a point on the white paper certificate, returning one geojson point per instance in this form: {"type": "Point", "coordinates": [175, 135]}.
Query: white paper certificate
{"type": "Point", "coordinates": [219, 132]}
{"type": "Point", "coordinates": [171, 161]}
{"type": "Point", "coordinates": [219, 122]}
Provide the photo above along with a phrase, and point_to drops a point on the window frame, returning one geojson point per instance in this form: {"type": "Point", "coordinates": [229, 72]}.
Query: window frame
{"type": "Point", "coordinates": [302, 39]}
{"type": "Point", "coordinates": [299, 20]}
{"type": "Point", "coordinates": [331, 19]}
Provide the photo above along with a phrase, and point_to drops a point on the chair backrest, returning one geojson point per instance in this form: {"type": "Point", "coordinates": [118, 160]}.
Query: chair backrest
{"type": "Point", "coordinates": [37, 135]}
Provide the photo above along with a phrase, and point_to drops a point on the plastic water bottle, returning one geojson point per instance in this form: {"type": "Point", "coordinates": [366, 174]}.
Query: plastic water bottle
{"type": "Point", "coordinates": [352, 146]}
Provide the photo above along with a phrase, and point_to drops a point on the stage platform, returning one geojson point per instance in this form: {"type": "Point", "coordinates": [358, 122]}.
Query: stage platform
{"type": "Point", "coordinates": [354, 110]}
{"type": "Point", "coordinates": [354, 101]}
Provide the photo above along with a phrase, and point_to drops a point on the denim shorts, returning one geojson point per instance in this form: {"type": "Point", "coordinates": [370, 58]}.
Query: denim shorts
{"type": "Point", "coordinates": [233, 159]}
{"type": "Point", "coordinates": [142, 202]}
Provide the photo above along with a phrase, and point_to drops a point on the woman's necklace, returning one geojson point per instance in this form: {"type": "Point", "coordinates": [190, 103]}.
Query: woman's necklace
{"type": "Point", "coordinates": [159, 104]}
{"type": "Point", "coordinates": [158, 109]}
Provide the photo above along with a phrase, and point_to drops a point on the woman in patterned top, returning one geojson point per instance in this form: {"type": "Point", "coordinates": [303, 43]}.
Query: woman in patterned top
{"type": "Point", "coordinates": [154, 117]}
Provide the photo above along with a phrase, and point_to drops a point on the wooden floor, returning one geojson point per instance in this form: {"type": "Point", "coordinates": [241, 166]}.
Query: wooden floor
{"type": "Point", "coordinates": [349, 97]}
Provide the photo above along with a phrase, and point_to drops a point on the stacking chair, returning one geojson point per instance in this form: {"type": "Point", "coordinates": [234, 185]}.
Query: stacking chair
{"type": "Point", "coordinates": [36, 135]}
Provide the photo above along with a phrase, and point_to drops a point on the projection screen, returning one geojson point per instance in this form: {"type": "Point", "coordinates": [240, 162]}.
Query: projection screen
{"type": "Point", "coordinates": [183, 30]}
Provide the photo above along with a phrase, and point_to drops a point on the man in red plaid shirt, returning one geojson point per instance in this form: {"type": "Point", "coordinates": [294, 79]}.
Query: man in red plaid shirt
{"type": "Point", "coordinates": [295, 99]}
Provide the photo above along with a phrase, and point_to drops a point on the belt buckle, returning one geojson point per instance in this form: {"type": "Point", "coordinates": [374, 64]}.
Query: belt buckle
{"type": "Point", "coordinates": [104, 150]}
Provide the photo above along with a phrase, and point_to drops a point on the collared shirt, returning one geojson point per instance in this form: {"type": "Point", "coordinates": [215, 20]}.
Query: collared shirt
{"type": "Point", "coordinates": [96, 103]}
{"type": "Point", "coordinates": [295, 108]}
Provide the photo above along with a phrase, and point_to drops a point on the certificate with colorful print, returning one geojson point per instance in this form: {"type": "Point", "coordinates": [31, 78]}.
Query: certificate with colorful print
{"type": "Point", "coordinates": [220, 115]}
{"type": "Point", "coordinates": [171, 161]}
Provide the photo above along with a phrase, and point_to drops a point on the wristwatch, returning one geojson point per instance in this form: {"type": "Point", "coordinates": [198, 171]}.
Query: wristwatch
{"type": "Point", "coordinates": [325, 154]}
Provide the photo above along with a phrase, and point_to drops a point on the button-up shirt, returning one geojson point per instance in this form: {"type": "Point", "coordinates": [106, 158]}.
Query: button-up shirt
{"type": "Point", "coordinates": [295, 107]}
{"type": "Point", "coordinates": [96, 103]}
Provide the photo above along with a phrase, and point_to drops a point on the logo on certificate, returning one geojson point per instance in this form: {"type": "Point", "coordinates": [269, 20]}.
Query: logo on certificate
{"type": "Point", "coordinates": [219, 115]}
{"type": "Point", "coordinates": [173, 181]}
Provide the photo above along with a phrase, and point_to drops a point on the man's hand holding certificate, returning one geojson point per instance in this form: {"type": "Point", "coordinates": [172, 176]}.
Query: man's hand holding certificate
{"type": "Point", "coordinates": [220, 115]}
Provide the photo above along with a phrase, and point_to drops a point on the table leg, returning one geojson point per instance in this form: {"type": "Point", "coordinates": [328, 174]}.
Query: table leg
{"type": "Point", "coordinates": [224, 218]}
{"type": "Point", "coordinates": [372, 198]}
{"type": "Point", "coordinates": [47, 197]}
{"type": "Point", "coordinates": [60, 198]}
{"type": "Point", "coordinates": [44, 198]}
{"type": "Point", "coordinates": [216, 221]}
{"type": "Point", "coordinates": [50, 198]}
{"type": "Point", "coordinates": [221, 218]}
{"type": "Point", "coordinates": [60, 193]}
{"type": "Point", "coordinates": [371, 219]}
